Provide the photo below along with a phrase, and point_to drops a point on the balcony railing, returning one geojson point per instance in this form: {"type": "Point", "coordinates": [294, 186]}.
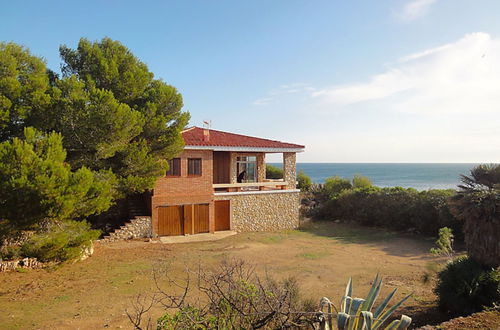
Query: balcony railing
{"type": "Point", "coordinates": [249, 186]}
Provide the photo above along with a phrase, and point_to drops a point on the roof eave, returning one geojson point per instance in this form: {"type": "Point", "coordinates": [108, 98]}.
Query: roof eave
{"type": "Point", "coordinates": [242, 149]}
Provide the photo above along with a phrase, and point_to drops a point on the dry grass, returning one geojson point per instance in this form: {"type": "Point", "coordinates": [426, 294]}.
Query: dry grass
{"type": "Point", "coordinates": [95, 293]}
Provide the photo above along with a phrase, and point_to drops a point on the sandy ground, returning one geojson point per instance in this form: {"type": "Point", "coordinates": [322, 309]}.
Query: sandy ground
{"type": "Point", "coordinates": [96, 292]}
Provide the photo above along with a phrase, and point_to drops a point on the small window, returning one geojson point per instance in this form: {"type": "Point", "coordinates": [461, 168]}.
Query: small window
{"type": "Point", "coordinates": [194, 166]}
{"type": "Point", "coordinates": [174, 167]}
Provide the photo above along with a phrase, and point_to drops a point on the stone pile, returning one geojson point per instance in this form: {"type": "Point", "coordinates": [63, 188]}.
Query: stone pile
{"type": "Point", "coordinates": [23, 263]}
{"type": "Point", "coordinates": [139, 227]}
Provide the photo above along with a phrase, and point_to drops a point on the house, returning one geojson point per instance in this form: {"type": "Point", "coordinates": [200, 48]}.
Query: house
{"type": "Point", "coordinates": [219, 183]}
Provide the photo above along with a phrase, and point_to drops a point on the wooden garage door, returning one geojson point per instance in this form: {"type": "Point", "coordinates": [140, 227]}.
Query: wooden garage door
{"type": "Point", "coordinates": [222, 215]}
{"type": "Point", "coordinates": [170, 221]}
{"type": "Point", "coordinates": [201, 218]}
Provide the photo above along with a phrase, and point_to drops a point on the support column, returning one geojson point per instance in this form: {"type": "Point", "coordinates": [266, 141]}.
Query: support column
{"type": "Point", "coordinates": [289, 169]}
{"type": "Point", "coordinates": [261, 167]}
{"type": "Point", "coordinates": [233, 176]}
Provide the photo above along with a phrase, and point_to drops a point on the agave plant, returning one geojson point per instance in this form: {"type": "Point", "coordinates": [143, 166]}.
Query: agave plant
{"type": "Point", "coordinates": [357, 313]}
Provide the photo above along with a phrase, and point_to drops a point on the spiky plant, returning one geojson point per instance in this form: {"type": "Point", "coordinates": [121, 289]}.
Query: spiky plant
{"type": "Point", "coordinates": [358, 313]}
{"type": "Point", "coordinates": [477, 203]}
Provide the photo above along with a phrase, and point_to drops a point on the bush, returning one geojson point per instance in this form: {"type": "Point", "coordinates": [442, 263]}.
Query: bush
{"type": "Point", "coordinates": [360, 181]}
{"type": "Point", "coordinates": [465, 287]}
{"type": "Point", "coordinates": [335, 185]}
{"type": "Point", "coordinates": [62, 242]}
{"type": "Point", "coordinates": [395, 208]}
{"type": "Point", "coordinates": [273, 172]}
{"type": "Point", "coordinates": [304, 181]}
{"type": "Point", "coordinates": [232, 296]}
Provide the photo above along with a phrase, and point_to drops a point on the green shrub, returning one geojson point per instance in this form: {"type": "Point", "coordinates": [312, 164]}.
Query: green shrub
{"type": "Point", "coordinates": [273, 172]}
{"type": "Point", "coordinates": [304, 181]}
{"type": "Point", "coordinates": [465, 287]}
{"type": "Point", "coordinates": [10, 252]}
{"type": "Point", "coordinates": [394, 208]}
{"type": "Point", "coordinates": [444, 243]}
{"type": "Point", "coordinates": [62, 242]}
{"type": "Point", "coordinates": [335, 185]}
{"type": "Point", "coordinates": [359, 181]}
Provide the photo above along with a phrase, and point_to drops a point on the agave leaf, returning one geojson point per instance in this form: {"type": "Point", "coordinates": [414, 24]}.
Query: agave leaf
{"type": "Point", "coordinates": [355, 306]}
{"type": "Point", "coordinates": [404, 323]}
{"type": "Point", "coordinates": [388, 312]}
{"type": "Point", "coordinates": [348, 305]}
{"type": "Point", "coordinates": [325, 301]}
{"type": "Point", "coordinates": [348, 293]}
{"type": "Point", "coordinates": [393, 325]}
{"type": "Point", "coordinates": [343, 320]}
{"type": "Point", "coordinates": [367, 320]}
{"type": "Point", "coordinates": [355, 312]}
{"type": "Point", "coordinates": [372, 294]}
{"type": "Point", "coordinates": [384, 303]}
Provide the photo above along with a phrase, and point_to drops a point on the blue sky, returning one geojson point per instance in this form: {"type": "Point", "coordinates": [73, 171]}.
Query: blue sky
{"type": "Point", "coordinates": [355, 81]}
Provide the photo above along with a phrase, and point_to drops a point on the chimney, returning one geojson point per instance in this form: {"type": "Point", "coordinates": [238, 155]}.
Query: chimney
{"type": "Point", "coordinates": [206, 131]}
{"type": "Point", "coordinates": [206, 135]}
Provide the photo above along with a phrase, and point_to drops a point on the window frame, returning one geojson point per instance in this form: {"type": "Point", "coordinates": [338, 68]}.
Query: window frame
{"type": "Point", "coordinates": [244, 161]}
{"type": "Point", "coordinates": [172, 167]}
{"type": "Point", "coordinates": [189, 167]}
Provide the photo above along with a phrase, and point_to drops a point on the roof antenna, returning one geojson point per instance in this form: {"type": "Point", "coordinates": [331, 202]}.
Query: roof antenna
{"type": "Point", "coordinates": [207, 124]}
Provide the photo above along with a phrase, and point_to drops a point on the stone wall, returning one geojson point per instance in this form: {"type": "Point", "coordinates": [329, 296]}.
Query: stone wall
{"type": "Point", "coordinates": [27, 263]}
{"type": "Point", "coordinates": [263, 210]}
{"type": "Point", "coordinates": [139, 227]}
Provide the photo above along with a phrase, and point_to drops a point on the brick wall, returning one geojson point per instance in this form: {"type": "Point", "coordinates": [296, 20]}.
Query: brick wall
{"type": "Point", "coordinates": [186, 189]}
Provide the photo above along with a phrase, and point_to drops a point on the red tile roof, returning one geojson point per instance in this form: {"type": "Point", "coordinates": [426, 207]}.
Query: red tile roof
{"type": "Point", "coordinates": [193, 136]}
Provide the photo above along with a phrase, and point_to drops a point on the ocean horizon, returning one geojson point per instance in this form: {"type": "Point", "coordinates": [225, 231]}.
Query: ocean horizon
{"type": "Point", "coordinates": [420, 176]}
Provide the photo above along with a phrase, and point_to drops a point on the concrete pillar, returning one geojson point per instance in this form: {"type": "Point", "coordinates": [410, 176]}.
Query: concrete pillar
{"type": "Point", "coordinates": [261, 167]}
{"type": "Point", "coordinates": [289, 169]}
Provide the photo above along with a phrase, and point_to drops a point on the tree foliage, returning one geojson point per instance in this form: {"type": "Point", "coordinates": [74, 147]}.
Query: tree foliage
{"type": "Point", "coordinates": [273, 172]}
{"type": "Point", "coordinates": [37, 186]}
{"type": "Point", "coordinates": [112, 112]}
{"type": "Point", "coordinates": [24, 87]}
{"type": "Point", "coordinates": [477, 203]}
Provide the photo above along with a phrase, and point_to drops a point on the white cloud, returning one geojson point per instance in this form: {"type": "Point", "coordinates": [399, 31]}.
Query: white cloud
{"type": "Point", "coordinates": [415, 9]}
{"type": "Point", "coordinates": [283, 90]}
{"type": "Point", "coordinates": [460, 77]}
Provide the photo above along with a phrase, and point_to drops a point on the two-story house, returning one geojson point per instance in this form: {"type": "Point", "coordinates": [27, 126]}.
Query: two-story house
{"type": "Point", "coordinates": [219, 183]}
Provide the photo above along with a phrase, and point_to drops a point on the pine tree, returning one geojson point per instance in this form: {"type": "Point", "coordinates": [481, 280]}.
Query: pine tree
{"type": "Point", "coordinates": [37, 185]}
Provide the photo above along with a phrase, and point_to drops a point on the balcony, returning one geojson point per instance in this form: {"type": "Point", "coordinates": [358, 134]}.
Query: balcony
{"type": "Point", "coordinates": [251, 186]}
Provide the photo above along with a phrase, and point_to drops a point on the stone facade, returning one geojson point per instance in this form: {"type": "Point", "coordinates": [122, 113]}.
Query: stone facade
{"type": "Point", "coordinates": [263, 211]}
{"type": "Point", "coordinates": [261, 167]}
{"type": "Point", "coordinates": [289, 170]}
{"type": "Point", "coordinates": [139, 227]}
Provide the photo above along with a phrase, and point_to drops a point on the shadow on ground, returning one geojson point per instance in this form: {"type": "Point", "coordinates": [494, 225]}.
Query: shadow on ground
{"type": "Point", "coordinates": [393, 243]}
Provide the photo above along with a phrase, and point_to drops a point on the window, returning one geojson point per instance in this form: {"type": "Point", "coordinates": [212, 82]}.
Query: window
{"type": "Point", "coordinates": [194, 166]}
{"type": "Point", "coordinates": [174, 167]}
{"type": "Point", "coordinates": [246, 167]}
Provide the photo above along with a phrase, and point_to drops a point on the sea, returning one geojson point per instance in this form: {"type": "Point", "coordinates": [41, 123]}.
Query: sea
{"type": "Point", "coordinates": [420, 176]}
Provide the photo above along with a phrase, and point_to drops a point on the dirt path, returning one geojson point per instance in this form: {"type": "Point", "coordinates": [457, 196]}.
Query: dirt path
{"type": "Point", "coordinates": [95, 293]}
